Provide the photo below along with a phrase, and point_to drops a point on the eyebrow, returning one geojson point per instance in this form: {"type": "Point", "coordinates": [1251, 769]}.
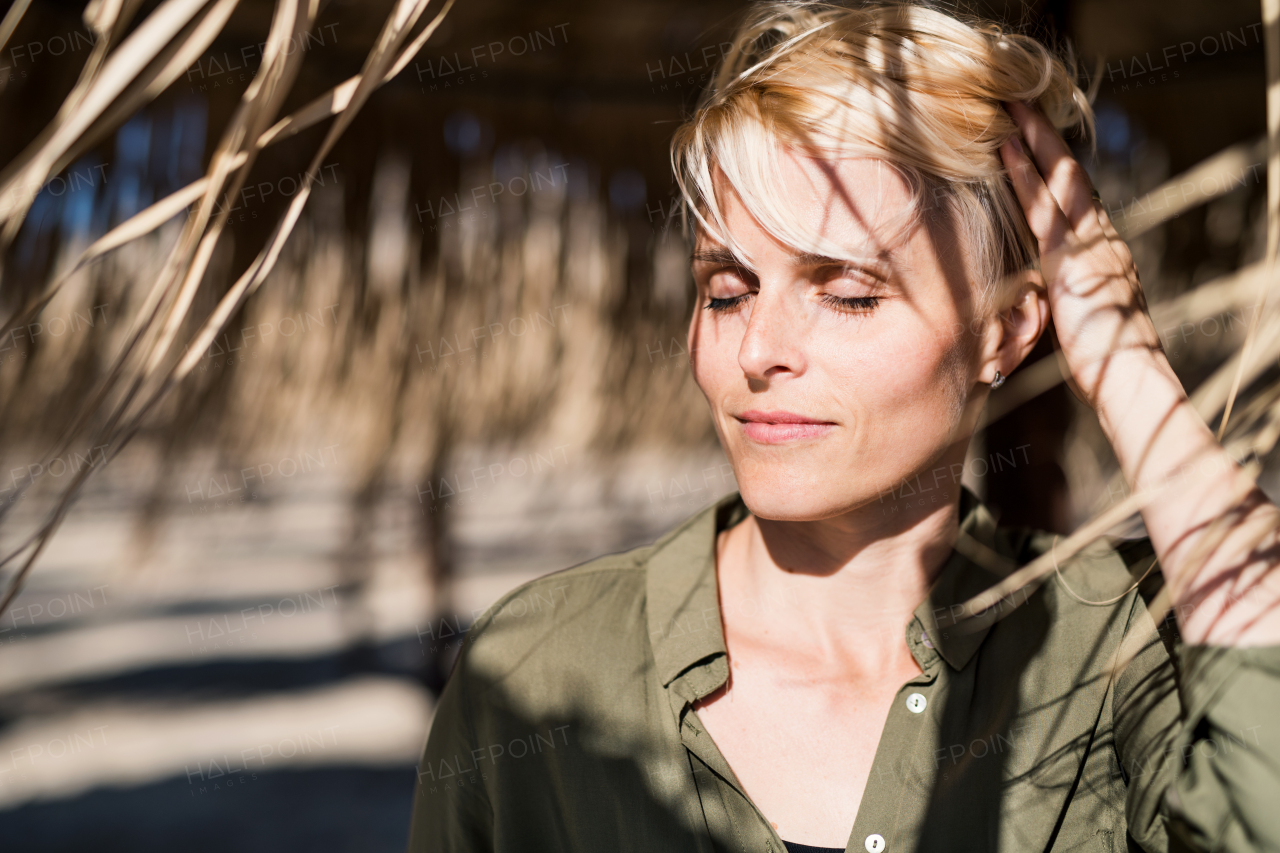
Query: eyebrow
{"type": "Point", "coordinates": [810, 259]}
{"type": "Point", "coordinates": [717, 256]}
{"type": "Point", "coordinates": [725, 257]}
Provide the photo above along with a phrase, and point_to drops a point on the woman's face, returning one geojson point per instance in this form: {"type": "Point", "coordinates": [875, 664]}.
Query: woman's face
{"type": "Point", "coordinates": [832, 383]}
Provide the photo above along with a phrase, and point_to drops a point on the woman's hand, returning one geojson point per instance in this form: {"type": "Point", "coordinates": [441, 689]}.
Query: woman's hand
{"type": "Point", "coordinates": [1094, 296]}
{"type": "Point", "coordinates": [1216, 534]}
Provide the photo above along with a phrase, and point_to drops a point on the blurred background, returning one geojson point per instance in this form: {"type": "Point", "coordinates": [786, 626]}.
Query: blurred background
{"type": "Point", "coordinates": [466, 370]}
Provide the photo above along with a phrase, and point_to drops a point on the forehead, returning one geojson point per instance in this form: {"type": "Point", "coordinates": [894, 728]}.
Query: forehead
{"type": "Point", "coordinates": [853, 206]}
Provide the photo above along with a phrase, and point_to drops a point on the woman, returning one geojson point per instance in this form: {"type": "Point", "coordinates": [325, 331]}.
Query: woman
{"type": "Point", "coordinates": [885, 219]}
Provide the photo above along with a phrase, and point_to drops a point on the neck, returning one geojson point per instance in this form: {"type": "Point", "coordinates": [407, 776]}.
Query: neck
{"type": "Point", "coordinates": [845, 585]}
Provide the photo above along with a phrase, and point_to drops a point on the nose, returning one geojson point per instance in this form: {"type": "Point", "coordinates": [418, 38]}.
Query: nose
{"type": "Point", "coordinates": [772, 343]}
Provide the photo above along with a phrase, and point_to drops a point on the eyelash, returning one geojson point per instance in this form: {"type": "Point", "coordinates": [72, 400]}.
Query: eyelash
{"type": "Point", "coordinates": [852, 304]}
{"type": "Point", "coordinates": [724, 306]}
{"type": "Point", "coordinates": [845, 304]}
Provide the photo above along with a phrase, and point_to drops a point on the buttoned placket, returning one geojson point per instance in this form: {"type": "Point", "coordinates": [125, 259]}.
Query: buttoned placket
{"type": "Point", "coordinates": [699, 666]}
{"type": "Point", "coordinates": [913, 709]}
{"type": "Point", "coordinates": [911, 722]}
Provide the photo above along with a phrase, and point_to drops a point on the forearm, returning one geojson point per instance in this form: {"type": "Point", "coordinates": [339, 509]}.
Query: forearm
{"type": "Point", "coordinates": [1223, 578]}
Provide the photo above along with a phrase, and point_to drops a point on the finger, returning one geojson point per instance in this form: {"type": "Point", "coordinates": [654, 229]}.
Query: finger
{"type": "Point", "coordinates": [1065, 177]}
{"type": "Point", "coordinates": [1118, 245]}
{"type": "Point", "coordinates": [1048, 223]}
{"type": "Point", "coordinates": [1121, 249]}
{"type": "Point", "coordinates": [1114, 241]}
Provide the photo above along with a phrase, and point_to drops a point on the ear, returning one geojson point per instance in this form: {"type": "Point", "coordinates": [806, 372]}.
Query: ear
{"type": "Point", "coordinates": [1022, 316]}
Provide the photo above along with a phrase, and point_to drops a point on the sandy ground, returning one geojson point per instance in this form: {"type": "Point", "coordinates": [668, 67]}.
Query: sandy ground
{"type": "Point", "coordinates": [253, 680]}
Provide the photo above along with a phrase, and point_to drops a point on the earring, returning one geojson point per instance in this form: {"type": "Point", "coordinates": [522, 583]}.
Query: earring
{"type": "Point", "coordinates": [998, 381]}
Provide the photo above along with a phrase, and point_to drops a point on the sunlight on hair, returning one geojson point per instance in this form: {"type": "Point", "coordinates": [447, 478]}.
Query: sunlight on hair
{"type": "Point", "coordinates": [914, 87]}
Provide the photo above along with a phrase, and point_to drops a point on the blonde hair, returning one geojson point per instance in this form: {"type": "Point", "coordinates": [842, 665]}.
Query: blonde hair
{"type": "Point", "coordinates": [912, 86]}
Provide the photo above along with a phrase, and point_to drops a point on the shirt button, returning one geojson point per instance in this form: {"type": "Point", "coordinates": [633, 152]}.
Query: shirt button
{"type": "Point", "coordinates": [924, 639]}
{"type": "Point", "coordinates": [916, 703]}
{"type": "Point", "coordinates": [874, 843]}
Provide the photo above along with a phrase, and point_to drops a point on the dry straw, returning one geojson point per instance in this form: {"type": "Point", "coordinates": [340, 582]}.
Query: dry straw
{"type": "Point", "coordinates": [119, 78]}
{"type": "Point", "coordinates": [1254, 435]}
{"type": "Point", "coordinates": [594, 376]}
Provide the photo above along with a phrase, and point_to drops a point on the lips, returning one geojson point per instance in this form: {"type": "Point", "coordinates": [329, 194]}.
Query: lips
{"type": "Point", "coordinates": [781, 427]}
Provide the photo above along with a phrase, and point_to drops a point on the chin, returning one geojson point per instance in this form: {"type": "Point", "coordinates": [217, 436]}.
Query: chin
{"type": "Point", "coordinates": [799, 484]}
{"type": "Point", "coordinates": [789, 492]}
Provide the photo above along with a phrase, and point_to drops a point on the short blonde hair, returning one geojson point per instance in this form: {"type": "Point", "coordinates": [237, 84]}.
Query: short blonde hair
{"type": "Point", "coordinates": [912, 86]}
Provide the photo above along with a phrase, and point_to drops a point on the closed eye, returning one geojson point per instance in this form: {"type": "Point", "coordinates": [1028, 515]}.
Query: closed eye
{"type": "Point", "coordinates": [852, 304]}
{"type": "Point", "coordinates": [726, 304]}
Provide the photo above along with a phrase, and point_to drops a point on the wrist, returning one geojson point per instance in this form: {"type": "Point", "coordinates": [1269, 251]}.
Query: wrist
{"type": "Point", "coordinates": [1147, 417]}
{"type": "Point", "coordinates": [1130, 382]}
{"type": "Point", "coordinates": [1109, 356]}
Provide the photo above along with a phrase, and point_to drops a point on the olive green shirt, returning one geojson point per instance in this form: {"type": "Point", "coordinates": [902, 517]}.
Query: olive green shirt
{"type": "Point", "coordinates": [567, 724]}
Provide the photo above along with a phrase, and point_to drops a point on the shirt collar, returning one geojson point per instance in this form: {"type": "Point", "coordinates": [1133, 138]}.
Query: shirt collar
{"type": "Point", "coordinates": [683, 596]}
{"type": "Point", "coordinates": [685, 627]}
{"type": "Point", "coordinates": [978, 561]}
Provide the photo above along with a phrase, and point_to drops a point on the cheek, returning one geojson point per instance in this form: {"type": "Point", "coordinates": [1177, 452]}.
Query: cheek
{"type": "Point", "coordinates": [713, 349]}
{"type": "Point", "coordinates": [908, 372]}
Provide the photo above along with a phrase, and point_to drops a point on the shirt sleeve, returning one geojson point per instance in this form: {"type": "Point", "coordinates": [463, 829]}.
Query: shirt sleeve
{"type": "Point", "coordinates": [1226, 796]}
{"type": "Point", "coordinates": [451, 810]}
{"type": "Point", "coordinates": [1147, 713]}
{"type": "Point", "coordinates": [1197, 735]}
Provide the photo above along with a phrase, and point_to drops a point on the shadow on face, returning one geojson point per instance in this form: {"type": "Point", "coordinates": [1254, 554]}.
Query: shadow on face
{"type": "Point", "coordinates": [838, 338]}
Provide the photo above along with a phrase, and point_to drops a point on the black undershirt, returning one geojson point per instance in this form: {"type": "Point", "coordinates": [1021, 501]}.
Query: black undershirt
{"type": "Point", "coordinates": [792, 847]}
